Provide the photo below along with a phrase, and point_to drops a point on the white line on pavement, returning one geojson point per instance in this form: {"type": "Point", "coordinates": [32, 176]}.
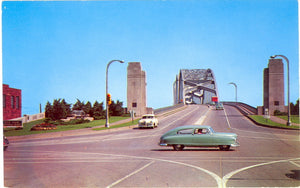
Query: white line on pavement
{"type": "Point", "coordinates": [229, 175]}
{"type": "Point", "coordinates": [202, 118]}
{"type": "Point", "coordinates": [138, 170]}
{"type": "Point", "coordinates": [295, 164]}
{"type": "Point", "coordinates": [227, 119]}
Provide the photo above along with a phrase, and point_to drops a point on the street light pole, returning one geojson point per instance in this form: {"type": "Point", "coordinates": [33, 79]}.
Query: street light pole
{"type": "Point", "coordinates": [288, 83]}
{"type": "Point", "coordinates": [235, 91]}
{"type": "Point", "coordinates": [107, 106]}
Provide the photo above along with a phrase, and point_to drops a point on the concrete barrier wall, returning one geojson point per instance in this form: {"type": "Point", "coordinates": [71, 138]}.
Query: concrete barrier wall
{"type": "Point", "coordinates": [161, 110]}
{"type": "Point", "coordinates": [29, 118]}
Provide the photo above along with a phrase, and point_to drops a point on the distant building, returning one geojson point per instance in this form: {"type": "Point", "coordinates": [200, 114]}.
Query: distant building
{"type": "Point", "coordinates": [12, 102]}
{"type": "Point", "coordinates": [274, 87]}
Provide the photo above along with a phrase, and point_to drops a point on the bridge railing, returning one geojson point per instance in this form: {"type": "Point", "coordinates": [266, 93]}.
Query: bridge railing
{"type": "Point", "coordinates": [242, 107]}
{"type": "Point", "coordinates": [168, 108]}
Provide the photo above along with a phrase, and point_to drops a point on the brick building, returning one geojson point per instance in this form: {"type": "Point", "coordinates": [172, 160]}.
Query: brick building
{"type": "Point", "coordinates": [12, 102]}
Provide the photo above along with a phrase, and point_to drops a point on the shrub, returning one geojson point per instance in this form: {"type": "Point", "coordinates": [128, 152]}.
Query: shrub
{"type": "Point", "coordinates": [43, 126]}
{"type": "Point", "coordinates": [278, 113]}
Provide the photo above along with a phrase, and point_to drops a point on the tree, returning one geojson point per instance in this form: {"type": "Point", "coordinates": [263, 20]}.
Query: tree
{"type": "Point", "coordinates": [295, 108]}
{"type": "Point", "coordinates": [78, 105]}
{"type": "Point", "coordinates": [98, 110]}
{"type": "Point", "coordinates": [66, 107]}
{"type": "Point", "coordinates": [58, 110]}
{"type": "Point", "coordinates": [48, 110]}
{"type": "Point", "coordinates": [116, 109]}
{"type": "Point", "coordinates": [87, 108]}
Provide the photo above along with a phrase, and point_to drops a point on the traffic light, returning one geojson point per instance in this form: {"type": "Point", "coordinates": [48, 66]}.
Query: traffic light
{"type": "Point", "coordinates": [108, 99]}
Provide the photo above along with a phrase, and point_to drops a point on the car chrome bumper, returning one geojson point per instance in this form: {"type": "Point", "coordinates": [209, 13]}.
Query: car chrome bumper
{"type": "Point", "coordinates": [235, 144]}
{"type": "Point", "coordinates": [162, 144]}
{"type": "Point", "coordinates": [146, 125]}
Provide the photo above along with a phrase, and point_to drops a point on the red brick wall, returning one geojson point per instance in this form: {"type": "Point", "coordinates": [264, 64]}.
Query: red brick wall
{"type": "Point", "coordinates": [12, 102]}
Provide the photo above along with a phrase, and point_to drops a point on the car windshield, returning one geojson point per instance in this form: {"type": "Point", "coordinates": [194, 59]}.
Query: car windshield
{"type": "Point", "coordinates": [211, 130]}
{"type": "Point", "coordinates": [147, 117]}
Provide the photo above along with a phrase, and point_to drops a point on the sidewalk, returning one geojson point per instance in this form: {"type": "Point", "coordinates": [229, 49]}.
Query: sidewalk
{"type": "Point", "coordinates": [281, 121]}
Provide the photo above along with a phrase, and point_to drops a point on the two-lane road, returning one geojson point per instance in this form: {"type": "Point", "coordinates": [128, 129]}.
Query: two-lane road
{"type": "Point", "coordinates": [132, 158]}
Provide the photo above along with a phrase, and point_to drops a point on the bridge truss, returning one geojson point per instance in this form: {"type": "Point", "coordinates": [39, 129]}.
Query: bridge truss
{"type": "Point", "coordinates": [194, 86]}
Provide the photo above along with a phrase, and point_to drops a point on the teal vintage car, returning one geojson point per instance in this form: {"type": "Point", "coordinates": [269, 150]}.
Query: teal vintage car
{"type": "Point", "coordinates": [198, 136]}
{"type": "Point", "coordinates": [219, 106]}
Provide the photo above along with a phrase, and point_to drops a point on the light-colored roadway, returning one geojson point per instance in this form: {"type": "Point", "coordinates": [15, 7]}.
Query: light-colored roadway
{"type": "Point", "coordinates": [132, 158]}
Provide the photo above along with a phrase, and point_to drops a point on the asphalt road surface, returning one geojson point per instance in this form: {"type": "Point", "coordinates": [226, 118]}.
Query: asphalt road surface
{"type": "Point", "coordinates": [131, 157]}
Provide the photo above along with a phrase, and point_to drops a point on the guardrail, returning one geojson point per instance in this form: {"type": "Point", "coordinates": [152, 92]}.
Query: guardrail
{"type": "Point", "coordinates": [161, 110]}
{"type": "Point", "coordinates": [244, 108]}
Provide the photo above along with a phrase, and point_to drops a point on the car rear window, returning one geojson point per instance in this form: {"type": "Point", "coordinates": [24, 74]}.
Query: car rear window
{"type": "Point", "coordinates": [185, 131]}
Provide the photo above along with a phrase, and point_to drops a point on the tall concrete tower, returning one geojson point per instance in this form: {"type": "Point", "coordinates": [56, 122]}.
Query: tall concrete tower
{"type": "Point", "coordinates": [136, 88]}
{"type": "Point", "coordinates": [274, 86]}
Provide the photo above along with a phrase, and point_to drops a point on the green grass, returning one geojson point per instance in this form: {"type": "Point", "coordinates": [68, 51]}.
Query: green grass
{"type": "Point", "coordinates": [28, 126]}
{"type": "Point", "coordinates": [262, 120]}
{"type": "Point", "coordinates": [293, 118]}
{"type": "Point", "coordinates": [128, 124]}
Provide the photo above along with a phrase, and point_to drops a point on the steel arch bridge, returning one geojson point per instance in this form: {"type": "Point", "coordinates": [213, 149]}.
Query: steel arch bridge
{"type": "Point", "coordinates": [194, 86]}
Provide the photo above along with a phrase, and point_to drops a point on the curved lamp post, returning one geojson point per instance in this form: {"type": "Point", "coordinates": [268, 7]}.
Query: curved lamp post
{"type": "Point", "coordinates": [235, 91]}
{"type": "Point", "coordinates": [107, 106]}
{"type": "Point", "coordinates": [288, 83]}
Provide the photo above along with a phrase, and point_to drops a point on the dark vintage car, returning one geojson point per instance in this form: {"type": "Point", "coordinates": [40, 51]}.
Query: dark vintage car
{"type": "Point", "coordinates": [5, 143]}
{"type": "Point", "coordinates": [198, 136]}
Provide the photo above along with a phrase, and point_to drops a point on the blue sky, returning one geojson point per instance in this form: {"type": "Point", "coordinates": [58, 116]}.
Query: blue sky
{"type": "Point", "coordinates": [60, 49]}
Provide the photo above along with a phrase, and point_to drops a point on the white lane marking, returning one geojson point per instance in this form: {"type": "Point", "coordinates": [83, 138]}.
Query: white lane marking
{"type": "Point", "coordinates": [295, 164]}
{"type": "Point", "coordinates": [229, 175]}
{"type": "Point", "coordinates": [202, 118]}
{"type": "Point", "coordinates": [137, 171]}
{"type": "Point", "coordinates": [227, 119]}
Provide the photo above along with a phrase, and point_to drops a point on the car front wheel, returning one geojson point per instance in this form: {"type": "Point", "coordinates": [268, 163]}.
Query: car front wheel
{"type": "Point", "coordinates": [178, 147]}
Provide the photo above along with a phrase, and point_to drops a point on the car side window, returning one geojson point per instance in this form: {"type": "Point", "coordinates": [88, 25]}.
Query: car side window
{"type": "Point", "coordinates": [201, 131]}
{"type": "Point", "coordinates": [186, 131]}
